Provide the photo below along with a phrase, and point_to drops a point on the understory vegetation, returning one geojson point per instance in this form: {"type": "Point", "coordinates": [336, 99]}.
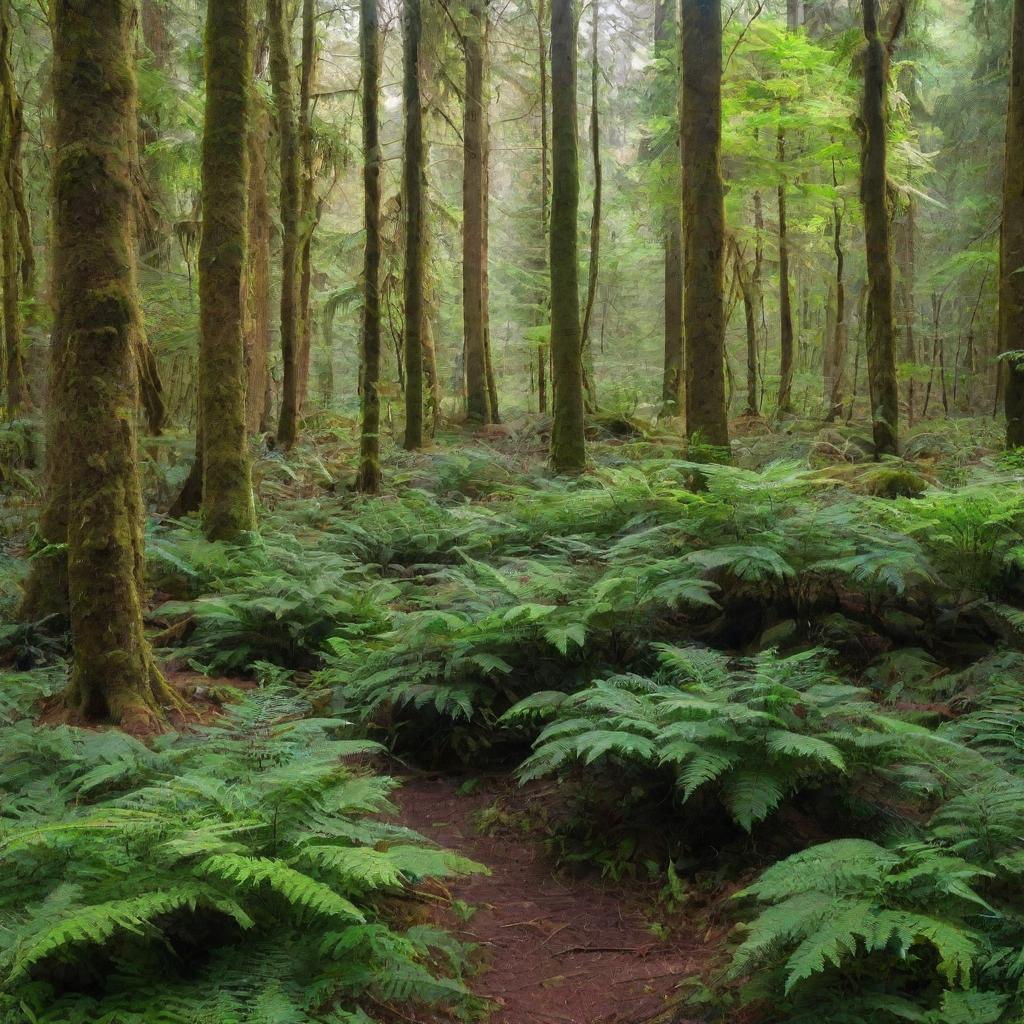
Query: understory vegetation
{"type": "Point", "coordinates": [798, 677]}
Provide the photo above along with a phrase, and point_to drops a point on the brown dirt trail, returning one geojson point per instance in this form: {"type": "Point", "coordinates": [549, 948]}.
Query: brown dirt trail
{"type": "Point", "coordinates": [557, 950]}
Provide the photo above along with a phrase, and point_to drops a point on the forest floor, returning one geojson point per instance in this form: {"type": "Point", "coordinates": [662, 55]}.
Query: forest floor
{"type": "Point", "coordinates": [555, 949]}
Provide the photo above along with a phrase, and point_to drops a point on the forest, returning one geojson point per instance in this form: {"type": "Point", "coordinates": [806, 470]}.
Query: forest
{"type": "Point", "coordinates": [512, 511]}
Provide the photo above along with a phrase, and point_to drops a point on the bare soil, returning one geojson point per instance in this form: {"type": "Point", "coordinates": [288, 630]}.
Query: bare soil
{"type": "Point", "coordinates": [555, 949]}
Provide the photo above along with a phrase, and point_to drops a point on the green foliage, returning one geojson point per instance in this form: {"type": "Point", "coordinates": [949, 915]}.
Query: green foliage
{"type": "Point", "coordinates": [752, 736]}
{"type": "Point", "coordinates": [248, 853]}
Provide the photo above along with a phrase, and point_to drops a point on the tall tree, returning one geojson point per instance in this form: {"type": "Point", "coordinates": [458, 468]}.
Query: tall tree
{"type": "Point", "coordinates": [478, 401]}
{"type": "Point", "coordinates": [589, 383]}
{"type": "Point", "coordinates": [794, 18]}
{"type": "Point", "coordinates": [114, 676]}
{"type": "Point", "coordinates": [227, 478]}
{"type": "Point", "coordinates": [881, 355]}
{"type": "Point", "coordinates": [568, 443]}
{"type": "Point", "coordinates": [666, 44]}
{"type": "Point", "coordinates": [281, 79]}
{"type": "Point", "coordinates": [412, 188]}
{"type": "Point", "coordinates": [18, 272]}
{"type": "Point", "coordinates": [1011, 260]}
{"type": "Point", "coordinates": [368, 478]}
{"type": "Point", "coordinates": [703, 221]}
{"type": "Point", "coordinates": [308, 208]}
{"type": "Point", "coordinates": [545, 195]}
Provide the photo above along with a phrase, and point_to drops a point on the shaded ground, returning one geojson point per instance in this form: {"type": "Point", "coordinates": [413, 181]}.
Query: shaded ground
{"type": "Point", "coordinates": [557, 950]}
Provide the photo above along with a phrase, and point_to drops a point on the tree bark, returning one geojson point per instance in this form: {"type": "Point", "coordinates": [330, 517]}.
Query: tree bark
{"type": "Point", "coordinates": [1011, 261]}
{"type": "Point", "coordinates": [478, 404]}
{"type": "Point", "coordinates": [881, 355]}
{"type": "Point", "coordinates": [227, 509]}
{"type": "Point", "coordinates": [590, 384]}
{"type": "Point", "coordinates": [369, 475]}
{"type": "Point", "coordinates": [834, 362]}
{"type": "Point", "coordinates": [666, 43]}
{"type": "Point", "coordinates": [904, 240]}
{"type": "Point", "coordinates": [284, 97]}
{"type": "Point", "coordinates": [412, 187]}
{"type": "Point", "coordinates": [113, 676]}
{"type": "Point", "coordinates": [568, 444]}
{"type": "Point", "coordinates": [545, 192]}
{"type": "Point", "coordinates": [703, 221]}
{"type": "Point", "coordinates": [308, 207]}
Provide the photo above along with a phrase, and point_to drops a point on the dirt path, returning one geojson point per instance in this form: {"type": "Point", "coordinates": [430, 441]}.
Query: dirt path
{"type": "Point", "coordinates": [557, 951]}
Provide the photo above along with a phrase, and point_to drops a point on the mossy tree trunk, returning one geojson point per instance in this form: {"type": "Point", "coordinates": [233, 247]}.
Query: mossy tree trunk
{"type": "Point", "coordinates": [905, 243]}
{"type": "Point", "coordinates": [568, 443]}
{"type": "Point", "coordinates": [544, 299]}
{"type": "Point", "coordinates": [666, 45]}
{"type": "Point", "coordinates": [478, 402]}
{"type": "Point", "coordinates": [589, 383]}
{"type": "Point", "coordinates": [227, 479]}
{"type": "Point", "coordinates": [15, 226]}
{"type": "Point", "coordinates": [114, 676]}
{"type": "Point", "coordinates": [258, 260]}
{"type": "Point", "coordinates": [412, 187]}
{"type": "Point", "coordinates": [746, 286]}
{"type": "Point", "coordinates": [1011, 262]}
{"type": "Point", "coordinates": [308, 212]}
{"type": "Point", "coordinates": [881, 354]}
{"type": "Point", "coordinates": [282, 83]}
{"type": "Point", "coordinates": [368, 478]}
{"type": "Point", "coordinates": [703, 221]}
{"type": "Point", "coordinates": [834, 361]}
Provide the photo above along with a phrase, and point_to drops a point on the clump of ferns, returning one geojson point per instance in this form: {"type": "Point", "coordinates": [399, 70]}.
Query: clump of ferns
{"type": "Point", "coordinates": [746, 737]}
{"type": "Point", "coordinates": [249, 846]}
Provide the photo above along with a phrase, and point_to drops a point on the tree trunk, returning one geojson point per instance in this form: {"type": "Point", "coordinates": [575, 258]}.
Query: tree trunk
{"type": "Point", "coordinates": [703, 221]}
{"type": "Point", "coordinates": [412, 187]}
{"type": "Point", "coordinates": [228, 508]}
{"type": "Point", "coordinates": [1011, 280]}
{"type": "Point", "coordinates": [590, 384]}
{"type": "Point", "coordinates": [881, 354]}
{"type": "Point", "coordinates": [307, 211]}
{"type": "Point", "coordinates": [478, 405]}
{"type": "Point", "coordinates": [746, 286]}
{"type": "Point", "coordinates": [485, 244]}
{"type": "Point", "coordinates": [284, 98]}
{"type": "Point", "coordinates": [905, 229]}
{"type": "Point", "coordinates": [368, 479]}
{"type": "Point", "coordinates": [568, 444]}
{"type": "Point", "coordinates": [666, 44]}
{"type": "Point", "coordinates": [257, 280]}
{"type": "Point", "coordinates": [15, 226]}
{"type": "Point", "coordinates": [834, 361]}
{"type": "Point", "coordinates": [785, 403]}
{"type": "Point", "coordinates": [113, 676]}
{"type": "Point", "coordinates": [545, 191]}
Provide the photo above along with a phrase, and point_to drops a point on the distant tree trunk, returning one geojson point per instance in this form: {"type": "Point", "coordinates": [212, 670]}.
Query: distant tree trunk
{"type": "Point", "coordinates": [284, 98]}
{"type": "Point", "coordinates": [257, 322]}
{"type": "Point", "coordinates": [834, 361]}
{"type": "Point", "coordinates": [794, 18]}
{"type": "Point", "coordinates": [368, 479]}
{"type": "Point", "coordinates": [478, 405]}
{"type": "Point", "coordinates": [568, 444]}
{"type": "Point", "coordinates": [703, 221]}
{"type": "Point", "coordinates": [228, 508]}
{"type": "Point", "coordinates": [746, 286]}
{"type": "Point", "coordinates": [905, 229]}
{"type": "Point", "coordinates": [1011, 280]}
{"type": "Point", "coordinates": [412, 188]}
{"type": "Point", "coordinates": [590, 384]}
{"type": "Point", "coordinates": [545, 191]}
{"type": "Point", "coordinates": [666, 45]}
{"type": "Point", "coordinates": [485, 264]}
{"type": "Point", "coordinates": [881, 353]}
{"type": "Point", "coordinates": [114, 677]}
{"type": "Point", "coordinates": [308, 207]}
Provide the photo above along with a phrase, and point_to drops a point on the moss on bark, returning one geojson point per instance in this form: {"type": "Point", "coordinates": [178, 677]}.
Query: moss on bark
{"type": "Point", "coordinates": [1011, 280]}
{"type": "Point", "coordinates": [368, 476]}
{"type": "Point", "coordinates": [114, 676]}
{"type": "Point", "coordinates": [284, 97]}
{"type": "Point", "coordinates": [881, 344]}
{"type": "Point", "coordinates": [227, 481]}
{"type": "Point", "coordinates": [568, 444]}
{"type": "Point", "coordinates": [703, 221]}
